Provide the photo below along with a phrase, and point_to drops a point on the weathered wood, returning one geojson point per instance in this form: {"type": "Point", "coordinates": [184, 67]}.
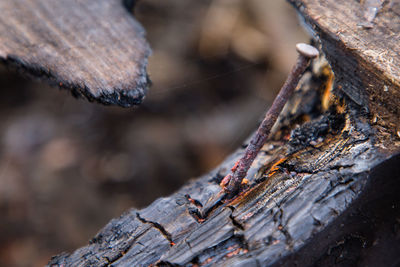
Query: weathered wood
{"type": "Point", "coordinates": [324, 193]}
{"type": "Point", "coordinates": [365, 61]}
{"type": "Point", "coordinates": [96, 49]}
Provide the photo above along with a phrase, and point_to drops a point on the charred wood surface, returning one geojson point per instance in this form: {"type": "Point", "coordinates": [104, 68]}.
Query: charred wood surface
{"type": "Point", "coordinates": [365, 60]}
{"type": "Point", "coordinates": [323, 190]}
{"type": "Point", "coordinates": [96, 49]}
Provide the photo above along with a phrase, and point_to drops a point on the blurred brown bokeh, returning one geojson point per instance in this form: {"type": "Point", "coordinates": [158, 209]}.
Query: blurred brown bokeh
{"type": "Point", "coordinates": [68, 166]}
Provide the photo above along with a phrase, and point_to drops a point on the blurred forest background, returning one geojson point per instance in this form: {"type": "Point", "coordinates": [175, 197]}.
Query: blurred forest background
{"type": "Point", "coordinates": [67, 166]}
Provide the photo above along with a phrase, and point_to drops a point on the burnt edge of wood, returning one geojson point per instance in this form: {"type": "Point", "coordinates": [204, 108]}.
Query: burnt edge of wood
{"type": "Point", "coordinates": [99, 84]}
{"type": "Point", "coordinates": [124, 97]}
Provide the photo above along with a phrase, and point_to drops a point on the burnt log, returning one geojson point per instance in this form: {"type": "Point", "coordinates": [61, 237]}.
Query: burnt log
{"type": "Point", "coordinates": [95, 49]}
{"type": "Point", "coordinates": [323, 193]}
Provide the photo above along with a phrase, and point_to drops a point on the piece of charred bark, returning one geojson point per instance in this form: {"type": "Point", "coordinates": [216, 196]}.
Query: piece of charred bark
{"type": "Point", "coordinates": [96, 49]}
{"type": "Point", "coordinates": [323, 191]}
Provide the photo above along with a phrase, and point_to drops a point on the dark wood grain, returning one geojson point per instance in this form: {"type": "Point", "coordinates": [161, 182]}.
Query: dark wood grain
{"type": "Point", "coordinates": [320, 194]}
{"type": "Point", "coordinates": [96, 49]}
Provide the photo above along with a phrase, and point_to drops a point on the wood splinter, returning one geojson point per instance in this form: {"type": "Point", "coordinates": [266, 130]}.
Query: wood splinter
{"type": "Point", "coordinates": [232, 182]}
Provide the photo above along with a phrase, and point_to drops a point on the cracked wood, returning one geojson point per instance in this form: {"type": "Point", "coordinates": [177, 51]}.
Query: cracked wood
{"type": "Point", "coordinates": [96, 49]}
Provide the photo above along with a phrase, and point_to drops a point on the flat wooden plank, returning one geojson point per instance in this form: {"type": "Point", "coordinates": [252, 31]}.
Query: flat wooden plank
{"type": "Point", "coordinates": [96, 49]}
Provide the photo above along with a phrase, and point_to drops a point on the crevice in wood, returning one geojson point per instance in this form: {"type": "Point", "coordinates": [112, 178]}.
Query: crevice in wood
{"type": "Point", "coordinates": [193, 201]}
{"type": "Point", "coordinates": [278, 218]}
{"type": "Point", "coordinates": [235, 245]}
{"type": "Point", "coordinates": [159, 227]}
{"type": "Point", "coordinates": [334, 186]}
{"type": "Point", "coordinates": [196, 214]}
{"type": "Point", "coordinates": [214, 204]}
{"type": "Point", "coordinates": [234, 221]}
{"type": "Point", "coordinates": [288, 237]}
{"type": "Point", "coordinates": [115, 258]}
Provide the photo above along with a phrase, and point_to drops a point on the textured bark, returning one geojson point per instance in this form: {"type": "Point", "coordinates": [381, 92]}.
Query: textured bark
{"type": "Point", "coordinates": [323, 193]}
{"type": "Point", "coordinates": [96, 49]}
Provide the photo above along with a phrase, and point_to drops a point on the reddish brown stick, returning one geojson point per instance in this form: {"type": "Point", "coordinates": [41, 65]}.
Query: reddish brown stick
{"type": "Point", "coordinates": [239, 172]}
